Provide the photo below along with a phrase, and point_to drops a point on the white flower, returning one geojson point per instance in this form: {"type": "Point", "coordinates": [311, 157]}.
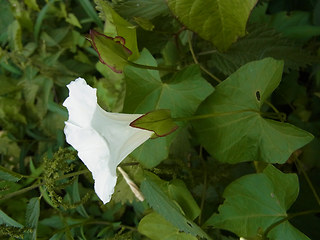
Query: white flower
{"type": "Point", "coordinates": [102, 139]}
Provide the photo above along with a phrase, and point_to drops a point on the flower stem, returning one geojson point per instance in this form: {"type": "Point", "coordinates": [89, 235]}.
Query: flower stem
{"type": "Point", "coordinates": [159, 68]}
{"type": "Point", "coordinates": [290, 216]}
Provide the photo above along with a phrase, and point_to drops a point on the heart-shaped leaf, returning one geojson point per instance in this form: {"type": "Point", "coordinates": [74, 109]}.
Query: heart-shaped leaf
{"type": "Point", "coordinates": [254, 202]}
{"type": "Point", "coordinates": [237, 132]}
{"type": "Point", "coordinates": [145, 91]}
{"type": "Point", "coordinates": [220, 22]}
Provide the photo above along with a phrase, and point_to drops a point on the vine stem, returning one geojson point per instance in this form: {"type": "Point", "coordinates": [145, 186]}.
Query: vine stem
{"type": "Point", "coordinates": [27, 189]}
{"type": "Point", "coordinates": [196, 60]}
{"type": "Point", "coordinates": [159, 68]}
{"type": "Point", "coordinates": [290, 216]}
{"type": "Point", "coordinates": [300, 167]}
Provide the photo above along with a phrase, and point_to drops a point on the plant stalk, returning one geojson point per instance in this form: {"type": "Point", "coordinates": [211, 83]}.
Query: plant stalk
{"type": "Point", "coordinates": [196, 60]}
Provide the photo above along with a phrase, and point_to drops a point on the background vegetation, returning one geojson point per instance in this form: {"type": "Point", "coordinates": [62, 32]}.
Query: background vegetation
{"type": "Point", "coordinates": [46, 191]}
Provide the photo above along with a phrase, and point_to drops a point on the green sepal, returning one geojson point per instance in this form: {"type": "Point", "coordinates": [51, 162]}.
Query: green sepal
{"type": "Point", "coordinates": [159, 121]}
{"type": "Point", "coordinates": [112, 51]}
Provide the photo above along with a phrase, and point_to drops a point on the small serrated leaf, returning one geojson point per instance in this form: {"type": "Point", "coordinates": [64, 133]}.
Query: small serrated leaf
{"type": "Point", "coordinates": [8, 175]}
{"type": "Point", "coordinates": [33, 212]}
{"type": "Point", "coordinates": [8, 221]}
{"type": "Point", "coordinates": [32, 218]}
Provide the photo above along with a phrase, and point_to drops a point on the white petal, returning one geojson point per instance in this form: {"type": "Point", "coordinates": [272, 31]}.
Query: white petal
{"type": "Point", "coordinates": [102, 139]}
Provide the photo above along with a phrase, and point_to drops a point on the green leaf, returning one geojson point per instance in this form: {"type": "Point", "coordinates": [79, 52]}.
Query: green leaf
{"type": "Point", "coordinates": [112, 51]}
{"type": "Point", "coordinates": [76, 198]}
{"type": "Point", "coordinates": [220, 22]}
{"type": "Point", "coordinates": [254, 202]}
{"type": "Point", "coordinates": [37, 90]}
{"type": "Point", "coordinates": [145, 92]}
{"type": "Point", "coordinates": [88, 8]}
{"type": "Point", "coordinates": [296, 25]}
{"type": "Point", "coordinates": [8, 221]}
{"type": "Point", "coordinates": [6, 18]}
{"type": "Point", "coordinates": [8, 175]}
{"type": "Point", "coordinates": [32, 217]}
{"type": "Point", "coordinates": [158, 121]}
{"type": "Point", "coordinates": [182, 93]}
{"type": "Point", "coordinates": [153, 151]}
{"type": "Point", "coordinates": [32, 4]}
{"type": "Point", "coordinates": [115, 26]}
{"type": "Point", "coordinates": [148, 9]}
{"type": "Point", "coordinates": [236, 131]}
{"type": "Point", "coordinates": [162, 204]}
{"type": "Point", "coordinates": [72, 19]}
{"type": "Point", "coordinates": [15, 36]}
{"type": "Point", "coordinates": [156, 227]}
{"type": "Point", "coordinates": [41, 16]}
{"type": "Point", "coordinates": [8, 147]}
{"type": "Point", "coordinates": [144, 23]}
{"type": "Point", "coordinates": [179, 192]}
{"type": "Point", "coordinates": [259, 43]}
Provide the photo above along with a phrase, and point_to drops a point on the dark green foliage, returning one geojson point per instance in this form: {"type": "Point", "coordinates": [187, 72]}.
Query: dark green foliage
{"type": "Point", "coordinates": [241, 84]}
{"type": "Point", "coordinates": [259, 43]}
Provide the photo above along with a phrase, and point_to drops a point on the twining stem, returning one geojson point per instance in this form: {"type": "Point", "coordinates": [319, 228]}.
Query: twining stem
{"type": "Point", "coordinates": [290, 216]}
{"type": "Point", "coordinates": [300, 167]}
{"type": "Point", "coordinates": [196, 60]}
{"type": "Point", "coordinates": [159, 68]}
{"type": "Point", "coordinates": [209, 73]}
{"type": "Point", "coordinates": [21, 191]}
{"type": "Point", "coordinates": [191, 48]}
{"type": "Point", "coordinates": [27, 189]}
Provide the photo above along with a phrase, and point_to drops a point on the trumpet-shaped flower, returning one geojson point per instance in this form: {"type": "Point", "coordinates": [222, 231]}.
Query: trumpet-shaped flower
{"type": "Point", "coordinates": [102, 139]}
